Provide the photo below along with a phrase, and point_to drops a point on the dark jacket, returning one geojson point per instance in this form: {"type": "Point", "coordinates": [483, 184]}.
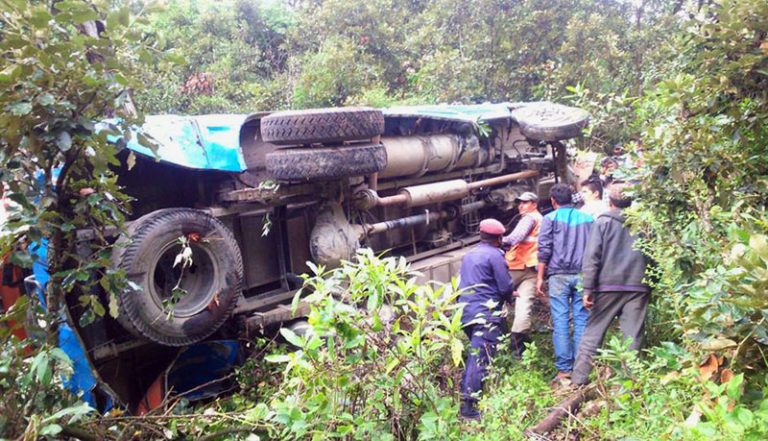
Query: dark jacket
{"type": "Point", "coordinates": [562, 239]}
{"type": "Point", "coordinates": [486, 281]}
{"type": "Point", "coordinates": [611, 263]}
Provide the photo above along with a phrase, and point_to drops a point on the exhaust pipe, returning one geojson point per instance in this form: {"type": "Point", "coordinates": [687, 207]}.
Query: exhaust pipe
{"type": "Point", "coordinates": [427, 194]}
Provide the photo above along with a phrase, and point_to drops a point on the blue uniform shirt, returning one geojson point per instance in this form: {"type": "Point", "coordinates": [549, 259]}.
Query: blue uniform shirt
{"type": "Point", "coordinates": [485, 278]}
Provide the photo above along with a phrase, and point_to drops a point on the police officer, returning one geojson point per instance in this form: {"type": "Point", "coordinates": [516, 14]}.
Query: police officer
{"type": "Point", "coordinates": [487, 285]}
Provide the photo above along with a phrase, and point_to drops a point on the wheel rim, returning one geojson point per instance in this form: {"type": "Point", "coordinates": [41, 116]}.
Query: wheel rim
{"type": "Point", "coordinates": [198, 280]}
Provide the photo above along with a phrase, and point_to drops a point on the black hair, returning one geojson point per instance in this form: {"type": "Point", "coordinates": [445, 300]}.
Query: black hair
{"type": "Point", "coordinates": [618, 196]}
{"type": "Point", "coordinates": [561, 193]}
{"type": "Point", "coordinates": [609, 160]}
{"type": "Point", "coordinates": [594, 185]}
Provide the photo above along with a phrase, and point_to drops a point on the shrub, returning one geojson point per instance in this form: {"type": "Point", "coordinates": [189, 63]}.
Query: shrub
{"type": "Point", "coordinates": [381, 360]}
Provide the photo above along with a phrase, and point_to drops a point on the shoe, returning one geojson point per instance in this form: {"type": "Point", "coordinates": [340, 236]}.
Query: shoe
{"type": "Point", "coordinates": [468, 411]}
{"type": "Point", "coordinates": [560, 380]}
{"type": "Point", "coordinates": [518, 341]}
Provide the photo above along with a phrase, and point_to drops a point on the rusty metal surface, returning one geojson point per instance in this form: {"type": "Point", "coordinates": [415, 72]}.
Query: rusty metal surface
{"type": "Point", "coordinates": [268, 195]}
{"type": "Point", "coordinates": [297, 229]}
{"type": "Point", "coordinates": [280, 314]}
{"type": "Point", "coordinates": [404, 182]}
{"type": "Point", "coordinates": [441, 268]}
{"type": "Point", "coordinates": [418, 155]}
{"type": "Point", "coordinates": [406, 156]}
{"type": "Point", "coordinates": [260, 265]}
{"type": "Point", "coordinates": [404, 222]}
{"type": "Point", "coordinates": [396, 199]}
{"type": "Point", "coordinates": [420, 219]}
{"type": "Point", "coordinates": [505, 179]}
{"type": "Point", "coordinates": [436, 192]}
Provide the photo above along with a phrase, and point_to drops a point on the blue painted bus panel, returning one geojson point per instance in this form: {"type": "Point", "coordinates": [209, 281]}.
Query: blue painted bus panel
{"type": "Point", "coordinates": [212, 142]}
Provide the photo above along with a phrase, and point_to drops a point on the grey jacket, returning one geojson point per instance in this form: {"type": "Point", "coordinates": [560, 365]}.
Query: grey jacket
{"type": "Point", "coordinates": [611, 263]}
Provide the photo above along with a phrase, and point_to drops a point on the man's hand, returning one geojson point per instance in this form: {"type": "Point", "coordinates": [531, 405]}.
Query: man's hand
{"type": "Point", "coordinates": [588, 299]}
{"type": "Point", "coordinates": [540, 288]}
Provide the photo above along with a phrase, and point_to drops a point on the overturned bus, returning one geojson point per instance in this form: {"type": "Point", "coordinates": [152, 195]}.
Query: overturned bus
{"type": "Point", "coordinates": [253, 198]}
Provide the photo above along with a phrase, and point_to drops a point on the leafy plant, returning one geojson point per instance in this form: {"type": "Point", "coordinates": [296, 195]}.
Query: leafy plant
{"type": "Point", "coordinates": [702, 191]}
{"type": "Point", "coordinates": [381, 360]}
{"type": "Point", "coordinates": [66, 71]}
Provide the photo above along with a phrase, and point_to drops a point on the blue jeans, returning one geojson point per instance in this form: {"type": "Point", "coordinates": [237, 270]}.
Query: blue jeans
{"type": "Point", "coordinates": [564, 301]}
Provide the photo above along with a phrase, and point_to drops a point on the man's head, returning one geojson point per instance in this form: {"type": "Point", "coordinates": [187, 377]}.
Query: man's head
{"type": "Point", "coordinates": [608, 165]}
{"type": "Point", "coordinates": [618, 195]}
{"type": "Point", "coordinates": [592, 190]}
{"type": "Point", "coordinates": [560, 194]}
{"type": "Point", "coordinates": [527, 202]}
{"type": "Point", "coordinates": [491, 231]}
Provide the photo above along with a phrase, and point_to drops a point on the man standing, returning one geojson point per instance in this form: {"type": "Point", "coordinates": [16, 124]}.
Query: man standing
{"type": "Point", "coordinates": [592, 192]}
{"type": "Point", "coordinates": [522, 260]}
{"type": "Point", "coordinates": [613, 283]}
{"type": "Point", "coordinates": [562, 240]}
{"type": "Point", "coordinates": [486, 285]}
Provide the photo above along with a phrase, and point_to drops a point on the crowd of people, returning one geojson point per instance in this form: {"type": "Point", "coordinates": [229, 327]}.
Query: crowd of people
{"type": "Point", "coordinates": [581, 261]}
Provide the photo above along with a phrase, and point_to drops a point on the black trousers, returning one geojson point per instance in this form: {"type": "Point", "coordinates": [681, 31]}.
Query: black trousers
{"type": "Point", "coordinates": [630, 307]}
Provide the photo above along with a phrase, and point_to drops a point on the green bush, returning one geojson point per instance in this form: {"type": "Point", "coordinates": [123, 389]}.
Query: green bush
{"type": "Point", "coordinates": [703, 187]}
{"type": "Point", "coordinates": [381, 361]}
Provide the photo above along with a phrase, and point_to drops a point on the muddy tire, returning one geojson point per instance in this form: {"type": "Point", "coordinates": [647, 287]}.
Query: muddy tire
{"type": "Point", "coordinates": [212, 283]}
{"type": "Point", "coordinates": [317, 126]}
{"type": "Point", "coordinates": [550, 122]}
{"type": "Point", "coordinates": [326, 163]}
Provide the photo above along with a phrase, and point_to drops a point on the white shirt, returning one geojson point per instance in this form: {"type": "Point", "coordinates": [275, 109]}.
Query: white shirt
{"type": "Point", "coordinates": [594, 208]}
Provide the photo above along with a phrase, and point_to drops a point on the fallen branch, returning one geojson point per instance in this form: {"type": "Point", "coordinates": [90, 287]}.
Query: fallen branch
{"type": "Point", "coordinates": [229, 431]}
{"type": "Point", "coordinates": [79, 433]}
{"type": "Point", "coordinates": [567, 407]}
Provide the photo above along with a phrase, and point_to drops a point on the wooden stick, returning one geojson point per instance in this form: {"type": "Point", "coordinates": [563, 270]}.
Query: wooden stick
{"type": "Point", "coordinates": [567, 407]}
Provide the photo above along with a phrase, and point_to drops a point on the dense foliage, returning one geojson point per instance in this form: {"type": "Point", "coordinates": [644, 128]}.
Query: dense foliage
{"type": "Point", "coordinates": [64, 69]}
{"type": "Point", "coordinates": [259, 55]}
{"type": "Point", "coordinates": [704, 185]}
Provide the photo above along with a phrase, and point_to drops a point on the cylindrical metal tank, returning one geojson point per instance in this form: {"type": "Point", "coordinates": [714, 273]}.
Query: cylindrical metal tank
{"type": "Point", "coordinates": [436, 192]}
{"type": "Point", "coordinates": [418, 155]}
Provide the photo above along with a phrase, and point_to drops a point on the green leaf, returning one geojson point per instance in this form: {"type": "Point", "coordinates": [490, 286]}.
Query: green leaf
{"type": "Point", "coordinates": [457, 349]}
{"type": "Point", "coordinates": [98, 308]}
{"type": "Point", "coordinates": [291, 337]}
{"type": "Point", "coordinates": [22, 259]}
{"type": "Point", "coordinates": [40, 17]}
{"type": "Point", "coordinates": [277, 358]}
{"type": "Point", "coordinates": [718, 344]}
{"type": "Point", "coordinates": [374, 301]}
{"type": "Point", "coordinates": [64, 141]}
{"type": "Point", "coordinates": [759, 243]}
{"type": "Point", "coordinates": [16, 5]}
{"type": "Point", "coordinates": [393, 363]}
{"type": "Point", "coordinates": [20, 109]}
{"type": "Point", "coordinates": [124, 16]}
{"type": "Point", "coordinates": [46, 99]}
{"type": "Point", "coordinates": [258, 413]}
{"type": "Point", "coordinates": [74, 413]}
{"type": "Point", "coordinates": [51, 430]}
{"type": "Point", "coordinates": [10, 73]}
{"type": "Point", "coordinates": [114, 309]}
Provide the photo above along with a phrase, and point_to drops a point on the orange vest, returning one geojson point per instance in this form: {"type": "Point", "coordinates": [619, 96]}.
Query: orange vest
{"type": "Point", "coordinates": [525, 254]}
